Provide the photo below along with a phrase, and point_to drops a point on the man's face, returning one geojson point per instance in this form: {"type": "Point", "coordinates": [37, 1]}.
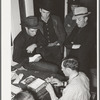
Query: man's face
{"type": "Point", "coordinates": [44, 13]}
{"type": "Point", "coordinates": [81, 21]}
{"type": "Point", "coordinates": [31, 31]}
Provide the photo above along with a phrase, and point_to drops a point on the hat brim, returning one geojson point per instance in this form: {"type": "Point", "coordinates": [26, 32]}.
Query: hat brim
{"type": "Point", "coordinates": [34, 27]}
{"type": "Point", "coordinates": [76, 16]}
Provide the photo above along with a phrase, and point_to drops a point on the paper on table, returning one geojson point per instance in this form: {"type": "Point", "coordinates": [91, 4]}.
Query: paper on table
{"type": "Point", "coordinates": [35, 84]}
{"type": "Point", "coordinates": [20, 76]}
{"type": "Point", "coordinates": [15, 89]}
{"type": "Point", "coordinates": [32, 59]}
{"type": "Point", "coordinates": [13, 75]}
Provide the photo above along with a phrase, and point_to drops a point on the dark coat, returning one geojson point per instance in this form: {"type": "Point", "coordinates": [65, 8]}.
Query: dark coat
{"type": "Point", "coordinates": [58, 27]}
{"type": "Point", "coordinates": [54, 54]}
{"type": "Point", "coordinates": [22, 41]}
{"type": "Point", "coordinates": [86, 38]}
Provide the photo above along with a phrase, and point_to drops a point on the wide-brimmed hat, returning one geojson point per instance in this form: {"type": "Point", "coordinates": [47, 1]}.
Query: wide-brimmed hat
{"type": "Point", "coordinates": [80, 11]}
{"type": "Point", "coordinates": [30, 22]}
{"type": "Point", "coordinates": [47, 5]}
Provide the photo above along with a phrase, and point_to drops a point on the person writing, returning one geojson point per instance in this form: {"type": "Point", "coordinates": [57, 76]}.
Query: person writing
{"type": "Point", "coordinates": [77, 87]}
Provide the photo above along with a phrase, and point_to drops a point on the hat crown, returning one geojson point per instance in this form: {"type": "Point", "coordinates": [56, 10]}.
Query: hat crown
{"type": "Point", "coordinates": [80, 10]}
{"type": "Point", "coordinates": [31, 22]}
{"type": "Point", "coordinates": [47, 5]}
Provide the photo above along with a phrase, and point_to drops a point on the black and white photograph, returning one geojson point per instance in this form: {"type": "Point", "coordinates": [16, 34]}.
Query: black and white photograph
{"type": "Point", "coordinates": [50, 49]}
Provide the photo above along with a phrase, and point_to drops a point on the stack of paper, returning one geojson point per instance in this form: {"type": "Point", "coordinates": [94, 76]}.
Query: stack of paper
{"type": "Point", "coordinates": [37, 84]}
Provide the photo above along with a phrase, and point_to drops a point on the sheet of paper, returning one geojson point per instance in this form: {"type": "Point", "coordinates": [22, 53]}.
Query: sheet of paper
{"type": "Point", "coordinates": [15, 89]}
{"type": "Point", "coordinates": [13, 75]}
{"type": "Point", "coordinates": [35, 84]}
{"type": "Point", "coordinates": [20, 76]}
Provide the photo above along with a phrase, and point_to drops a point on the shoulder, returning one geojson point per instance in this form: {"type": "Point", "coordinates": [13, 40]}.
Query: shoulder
{"type": "Point", "coordinates": [19, 37]}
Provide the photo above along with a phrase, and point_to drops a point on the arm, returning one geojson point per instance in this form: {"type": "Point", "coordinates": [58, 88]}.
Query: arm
{"type": "Point", "coordinates": [50, 89]}
{"type": "Point", "coordinates": [54, 81]}
{"type": "Point", "coordinates": [31, 48]}
{"type": "Point", "coordinates": [69, 42]}
{"type": "Point", "coordinates": [40, 40]}
{"type": "Point", "coordinates": [59, 29]}
{"type": "Point", "coordinates": [19, 54]}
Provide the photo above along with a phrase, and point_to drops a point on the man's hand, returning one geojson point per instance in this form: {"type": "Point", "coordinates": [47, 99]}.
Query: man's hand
{"type": "Point", "coordinates": [38, 59]}
{"type": "Point", "coordinates": [54, 81]}
{"type": "Point", "coordinates": [49, 88]}
{"type": "Point", "coordinates": [76, 46]}
{"type": "Point", "coordinates": [35, 58]}
{"type": "Point", "coordinates": [53, 44]}
{"type": "Point", "coordinates": [31, 48]}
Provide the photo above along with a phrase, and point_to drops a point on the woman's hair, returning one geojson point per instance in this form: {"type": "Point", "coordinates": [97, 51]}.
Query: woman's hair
{"type": "Point", "coordinates": [25, 95]}
{"type": "Point", "coordinates": [70, 63]}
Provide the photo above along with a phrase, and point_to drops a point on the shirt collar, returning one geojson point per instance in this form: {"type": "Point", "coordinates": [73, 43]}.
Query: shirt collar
{"type": "Point", "coordinates": [73, 76]}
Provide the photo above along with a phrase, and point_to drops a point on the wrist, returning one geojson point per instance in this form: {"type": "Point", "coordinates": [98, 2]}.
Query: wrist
{"type": "Point", "coordinates": [64, 83]}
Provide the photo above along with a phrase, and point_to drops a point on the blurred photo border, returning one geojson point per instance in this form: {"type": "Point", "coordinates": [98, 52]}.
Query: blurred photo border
{"type": "Point", "coordinates": [5, 50]}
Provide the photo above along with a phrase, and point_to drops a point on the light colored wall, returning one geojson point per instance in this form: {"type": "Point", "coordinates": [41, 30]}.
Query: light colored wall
{"type": "Point", "coordinates": [29, 7]}
{"type": "Point", "coordinates": [15, 15]}
{"type": "Point", "coordinates": [15, 18]}
{"type": "Point", "coordinates": [66, 8]}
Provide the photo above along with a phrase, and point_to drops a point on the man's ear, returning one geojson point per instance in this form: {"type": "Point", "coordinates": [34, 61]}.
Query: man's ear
{"type": "Point", "coordinates": [86, 18]}
{"type": "Point", "coordinates": [26, 28]}
{"type": "Point", "coordinates": [40, 10]}
{"type": "Point", "coordinates": [69, 69]}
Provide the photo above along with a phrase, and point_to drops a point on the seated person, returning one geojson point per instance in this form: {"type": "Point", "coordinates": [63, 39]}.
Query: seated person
{"type": "Point", "coordinates": [26, 44]}
{"type": "Point", "coordinates": [25, 95]}
{"type": "Point", "coordinates": [77, 87]}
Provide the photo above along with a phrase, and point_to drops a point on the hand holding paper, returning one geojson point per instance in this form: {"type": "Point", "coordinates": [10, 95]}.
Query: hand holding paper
{"type": "Point", "coordinates": [31, 48]}
{"type": "Point", "coordinates": [35, 58]}
{"type": "Point", "coordinates": [76, 46]}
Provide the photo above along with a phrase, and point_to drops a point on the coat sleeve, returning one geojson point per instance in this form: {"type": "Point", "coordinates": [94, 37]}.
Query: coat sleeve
{"type": "Point", "coordinates": [59, 29]}
{"type": "Point", "coordinates": [18, 51]}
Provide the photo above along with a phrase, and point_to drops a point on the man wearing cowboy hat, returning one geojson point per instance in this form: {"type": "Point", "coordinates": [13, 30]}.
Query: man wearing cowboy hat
{"type": "Point", "coordinates": [53, 31]}
{"type": "Point", "coordinates": [82, 42]}
{"type": "Point", "coordinates": [26, 44]}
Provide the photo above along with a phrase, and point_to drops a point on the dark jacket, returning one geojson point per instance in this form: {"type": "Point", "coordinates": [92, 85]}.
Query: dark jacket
{"type": "Point", "coordinates": [22, 41]}
{"type": "Point", "coordinates": [87, 39]}
{"type": "Point", "coordinates": [58, 27]}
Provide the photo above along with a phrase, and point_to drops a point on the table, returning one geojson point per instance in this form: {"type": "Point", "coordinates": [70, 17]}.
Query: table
{"type": "Point", "coordinates": [42, 75]}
